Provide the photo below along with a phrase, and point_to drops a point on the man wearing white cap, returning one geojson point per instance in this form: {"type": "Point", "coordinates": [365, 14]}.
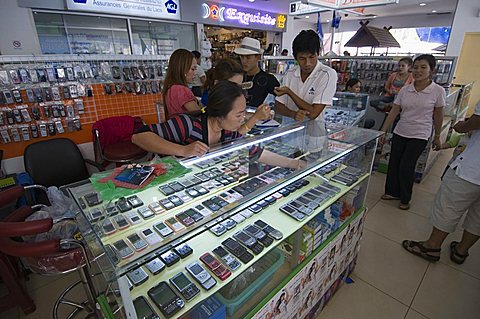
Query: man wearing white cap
{"type": "Point", "coordinates": [263, 83]}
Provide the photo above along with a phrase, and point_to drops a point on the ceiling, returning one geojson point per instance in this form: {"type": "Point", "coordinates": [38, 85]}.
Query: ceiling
{"type": "Point", "coordinates": [404, 7]}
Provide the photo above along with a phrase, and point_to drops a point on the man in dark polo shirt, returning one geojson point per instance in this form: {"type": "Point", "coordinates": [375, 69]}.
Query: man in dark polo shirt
{"type": "Point", "coordinates": [263, 83]}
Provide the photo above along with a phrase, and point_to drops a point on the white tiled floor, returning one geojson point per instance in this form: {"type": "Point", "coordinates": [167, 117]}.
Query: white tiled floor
{"type": "Point", "coordinates": [388, 282]}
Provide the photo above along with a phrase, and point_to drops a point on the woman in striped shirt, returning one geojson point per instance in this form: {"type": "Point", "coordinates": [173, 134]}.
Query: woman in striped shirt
{"type": "Point", "coordinates": [190, 135]}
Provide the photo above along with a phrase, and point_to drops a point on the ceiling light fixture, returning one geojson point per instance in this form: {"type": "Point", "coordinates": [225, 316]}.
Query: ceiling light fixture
{"type": "Point", "coordinates": [434, 11]}
{"type": "Point", "coordinates": [422, 4]}
{"type": "Point", "coordinates": [328, 20]}
{"type": "Point", "coordinates": [306, 17]}
{"type": "Point", "coordinates": [251, 0]}
{"type": "Point", "coordinates": [374, 16]}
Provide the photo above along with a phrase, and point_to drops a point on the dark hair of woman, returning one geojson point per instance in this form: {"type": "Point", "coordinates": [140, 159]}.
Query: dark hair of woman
{"type": "Point", "coordinates": [306, 41]}
{"type": "Point", "coordinates": [432, 62]}
{"type": "Point", "coordinates": [407, 61]}
{"type": "Point", "coordinates": [350, 83]}
{"type": "Point", "coordinates": [224, 69]}
{"type": "Point", "coordinates": [178, 66]}
{"type": "Point", "coordinates": [196, 54]}
{"type": "Point", "coordinates": [221, 99]}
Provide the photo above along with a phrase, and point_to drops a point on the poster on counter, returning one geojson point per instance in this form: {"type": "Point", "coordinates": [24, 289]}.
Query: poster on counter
{"type": "Point", "coordinates": [311, 285]}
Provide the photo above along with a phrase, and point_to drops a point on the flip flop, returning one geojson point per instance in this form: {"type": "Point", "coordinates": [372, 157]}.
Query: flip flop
{"type": "Point", "coordinates": [455, 256]}
{"type": "Point", "coordinates": [389, 197]}
{"type": "Point", "coordinates": [417, 248]}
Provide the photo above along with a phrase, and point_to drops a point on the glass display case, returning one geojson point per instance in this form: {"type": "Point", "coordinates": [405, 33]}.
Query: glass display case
{"type": "Point", "coordinates": [347, 109]}
{"type": "Point", "coordinates": [229, 230]}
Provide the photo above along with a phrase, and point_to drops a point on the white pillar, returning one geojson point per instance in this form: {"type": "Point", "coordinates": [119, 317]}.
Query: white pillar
{"type": "Point", "coordinates": [466, 19]}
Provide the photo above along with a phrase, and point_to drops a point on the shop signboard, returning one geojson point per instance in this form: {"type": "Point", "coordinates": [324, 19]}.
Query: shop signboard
{"type": "Point", "coordinates": [348, 4]}
{"type": "Point", "coordinates": [225, 14]}
{"type": "Point", "coordinates": [160, 9]}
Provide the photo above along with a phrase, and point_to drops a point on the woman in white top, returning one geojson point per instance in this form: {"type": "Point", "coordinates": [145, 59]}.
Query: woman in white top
{"type": "Point", "coordinates": [420, 106]}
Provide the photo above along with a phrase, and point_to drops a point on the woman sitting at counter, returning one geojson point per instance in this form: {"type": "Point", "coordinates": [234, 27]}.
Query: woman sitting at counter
{"type": "Point", "coordinates": [190, 135]}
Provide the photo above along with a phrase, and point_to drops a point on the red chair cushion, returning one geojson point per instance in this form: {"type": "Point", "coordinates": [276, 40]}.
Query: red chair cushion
{"type": "Point", "coordinates": [124, 150]}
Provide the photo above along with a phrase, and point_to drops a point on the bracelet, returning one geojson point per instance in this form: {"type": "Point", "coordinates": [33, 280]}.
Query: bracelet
{"type": "Point", "coordinates": [248, 129]}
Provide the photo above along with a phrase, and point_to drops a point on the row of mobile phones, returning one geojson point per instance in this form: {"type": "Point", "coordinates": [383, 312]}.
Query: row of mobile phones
{"type": "Point", "coordinates": [45, 94]}
{"type": "Point", "coordinates": [216, 160]}
{"type": "Point", "coordinates": [308, 202]}
{"type": "Point", "coordinates": [144, 87]}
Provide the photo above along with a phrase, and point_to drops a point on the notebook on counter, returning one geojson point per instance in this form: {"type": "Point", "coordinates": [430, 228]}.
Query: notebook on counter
{"type": "Point", "coordinates": [135, 175]}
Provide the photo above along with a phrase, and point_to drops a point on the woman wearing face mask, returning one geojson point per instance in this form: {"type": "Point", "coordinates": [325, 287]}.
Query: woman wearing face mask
{"type": "Point", "coordinates": [231, 70]}
{"type": "Point", "coordinates": [420, 105]}
{"type": "Point", "coordinates": [191, 135]}
{"type": "Point", "coordinates": [177, 97]}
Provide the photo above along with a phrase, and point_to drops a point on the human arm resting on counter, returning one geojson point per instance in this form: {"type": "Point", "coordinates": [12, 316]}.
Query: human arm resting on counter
{"type": "Point", "coordinates": [273, 159]}
{"type": "Point", "coordinates": [312, 111]}
{"type": "Point", "coordinates": [151, 142]}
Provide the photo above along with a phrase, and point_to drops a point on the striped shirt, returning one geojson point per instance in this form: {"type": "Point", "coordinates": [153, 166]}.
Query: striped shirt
{"type": "Point", "coordinates": [185, 129]}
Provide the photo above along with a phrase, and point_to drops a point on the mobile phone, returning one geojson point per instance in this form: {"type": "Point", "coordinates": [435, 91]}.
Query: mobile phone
{"type": "Point", "coordinates": [228, 259]}
{"type": "Point", "coordinates": [186, 287]}
{"type": "Point", "coordinates": [92, 199]}
{"type": "Point", "coordinates": [123, 205]}
{"type": "Point", "coordinates": [175, 200]}
{"type": "Point", "coordinates": [134, 201]}
{"type": "Point", "coordinates": [300, 207]}
{"type": "Point", "coordinates": [150, 236]}
{"type": "Point", "coordinates": [292, 212]}
{"type": "Point", "coordinates": [183, 250]}
{"type": "Point", "coordinates": [229, 223]}
{"type": "Point", "coordinates": [143, 309]}
{"type": "Point", "coordinates": [247, 213]}
{"type": "Point", "coordinates": [237, 218]}
{"type": "Point", "coordinates": [307, 202]}
{"type": "Point", "coordinates": [166, 190]}
{"type": "Point", "coordinates": [137, 242]}
{"type": "Point", "coordinates": [201, 275]}
{"type": "Point", "coordinates": [156, 208]}
{"type": "Point", "coordinates": [174, 224]}
{"type": "Point", "coordinates": [218, 229]}
{"type": "Point", "coordinates": [184, 196]}
{"type": "Point", "coordinates": [220, 202]}
{"type": "Point", "coordinates": [194, 214]}
{"type": "Point", "coordinates": [145, 212]}
{"type": "Point", "coordinates": [17, 96]}
{"type": "Point", "coordinates": [155, 266]}
{"type": "Point", "coordinates": [167, 301]}
{"type": "Point", "coordinates": [203, 210]}
{"type": "Point", "coordinates": [255, 208]}
{"type": "Point", "coordinates": [237, 250]}
{"type": "Point", "coordinates": [8, 97]}
{"type": "Point", "coordinates": [163, 229]}
{"type": "Point", "coordinates": [215, 266]}
{"type": "Point", "coordinates": [95, 215]}
{"type": "Point", "coordinates": [244, 238]}
{"type": "Point", "coordinates": [177, 187]}
{"type": "Point", "coordinates": [137, 276]}
{"type": "Point", "coordinates": [133, 217]}
{"type": "Point", "coordinates": [211, 205]}
{"type": "Point", "coordinates": [259, 234]}
{"type": "Point", "coordinates": [167, 204]}
{"type": "Point", "coordinates": [108, 227]}
{"type": "Point", "coordinates": [269, 229]}
{"type": "Point", "coordinates": [123, 250]}
{"type": "Point", "coordinates": [185, 219]}
{"type": "Point", "coordinates": [121, 222]}
{"type": "Point", "coordinates": [169, 258]}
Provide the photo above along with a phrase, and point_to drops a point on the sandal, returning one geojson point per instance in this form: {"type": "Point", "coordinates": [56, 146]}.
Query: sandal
{"type": "Point", "coordinates": [417, 248]}
{"type": "Point", "coordinates": [455, 256]}
{"type": "Point", "coordinates": [404, 206]}
{"type": "Point", "coordinates": [389, 197]}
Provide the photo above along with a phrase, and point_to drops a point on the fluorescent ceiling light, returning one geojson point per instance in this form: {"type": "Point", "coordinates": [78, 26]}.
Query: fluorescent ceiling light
{"type": "Point", "coordinates": [306, 17]}
{"type": "Point", "coordinates": [434, 11]}
{"type": "Point", "coordinates": [251, 0]}
{"type": "Point", "coordinates": [422, 4]}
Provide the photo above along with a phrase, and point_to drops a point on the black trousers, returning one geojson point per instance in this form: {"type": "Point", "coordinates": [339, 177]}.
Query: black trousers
{"type": "Point", "coordinates": [401, 166]}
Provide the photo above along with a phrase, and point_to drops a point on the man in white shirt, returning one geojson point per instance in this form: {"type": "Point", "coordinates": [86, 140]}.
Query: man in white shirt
{"type": "Point", "coordinates": [199, 78]}
{"type": "Point", "coordinates": [307, 89]}
{"type": "Point", "coordinates": [459, 195]}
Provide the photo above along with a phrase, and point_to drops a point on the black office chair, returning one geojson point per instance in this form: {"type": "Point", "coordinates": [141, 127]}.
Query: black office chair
{"type": "Point", "coordinates": [56, 162]}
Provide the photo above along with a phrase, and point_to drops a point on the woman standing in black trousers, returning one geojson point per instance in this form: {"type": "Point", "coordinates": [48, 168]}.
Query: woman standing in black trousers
{"type": "Point", "coordinates": [420, 106]}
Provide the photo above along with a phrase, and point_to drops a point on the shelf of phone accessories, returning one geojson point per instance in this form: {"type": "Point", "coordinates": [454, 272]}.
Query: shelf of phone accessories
{"type": "Point", "coordinates": [207, 241]}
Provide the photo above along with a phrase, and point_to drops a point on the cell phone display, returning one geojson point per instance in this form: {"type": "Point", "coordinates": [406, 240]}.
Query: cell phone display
{"type": "Point", "coordinates": [228, 259]}
{"type": "Point", "coordinates": [175, 200]}
{"type": "Point", "coordinates": [145, 212]}
{"type": "Point", "coordinates": [137, 242]}
{"type": "Point", "coordinates": [156, 208]}
{"type": "Point", "coordinates": [122, 249]}
{"type": "Point", "coordinates": [166, 299]}
{"type": "Point", "coordinates": [185, 219]}
{"type": "Point", "coordinates": [134, 201]}
{"type": "Point", "coordinates": [174, 224]}
{"type": "Point", "coordinates": [163, 229]}
{"type": "Point", "coordinates": [121, 222]}
{"type": "Point", "coordinates": [143, 309]}
{"type": "Point", "coordinates": [137, 276]}
{"type": "Point", "coordinates": [92, 199]}
{"type": "Point", "coordinates": [150, 236]}
{"type": "Point", "coordinates": [167, 204]}
{"type": "Point", "coordinates": [201, 275]}
{"type": "Point", "coordinates": [186, 287]}
{"type": "Point", "coordinates": [133, 218]}
{"type": "Point", "coordinates": [166, 190]}
{"type": "Point", "coordinates": [108, 227]}
{"type": "Point", "coordinates": [155, 266]}
{"type": "Point", "coordinates": [123, 205]}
